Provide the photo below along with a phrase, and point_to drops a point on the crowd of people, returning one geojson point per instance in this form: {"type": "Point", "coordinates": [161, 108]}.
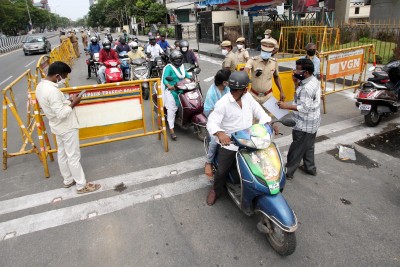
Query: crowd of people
{"type": "Point", "coordinates": [229, 104]}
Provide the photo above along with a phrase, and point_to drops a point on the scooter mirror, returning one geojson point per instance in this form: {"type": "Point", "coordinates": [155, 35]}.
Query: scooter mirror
{"type": "Point", "coordinates": [169, 78]}
{"type": "Point", "coordinates": [288, 121]}
{"type": "Point", "coordinates": [372, 68]}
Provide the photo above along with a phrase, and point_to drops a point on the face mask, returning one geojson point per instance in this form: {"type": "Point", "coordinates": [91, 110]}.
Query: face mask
{"type": "Point", "coordinates": [267, 36]}
{"type": "Point", "coordinates": [61, 82]}
{"type": "Point", "coordinates": [224, 52]}
{"type": "Point", "coordinates": [265, 55]}
{"type": "Point", "coordinates": [311, 53]}
{"type": "Point", "coordinates": [239, 46]}
{"type": "Point", "coordinates": [184, 49]}
{"type": "Point", "coordinates": [299, 76]}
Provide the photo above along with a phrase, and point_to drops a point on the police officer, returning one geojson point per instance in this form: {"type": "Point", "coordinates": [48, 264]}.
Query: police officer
{"type": "Point", "coordinates": [267, 35]}
{"type": "Point", "coordinates": [63, 37]}
{"type": "Point", "coordinates": [84, 39]}
{"type": "Point", "coordinates": [74, 41]}
{"type": "Point", "coordinates": [263, 68]}
{"type": "Point", "coordinates": [242, 55]}
{"type": "Point", "coordinates": [230, 58]}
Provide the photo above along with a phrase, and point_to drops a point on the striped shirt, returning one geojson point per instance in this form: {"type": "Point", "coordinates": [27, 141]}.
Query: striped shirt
{"type": "Point", "coordinates": [308, 99]}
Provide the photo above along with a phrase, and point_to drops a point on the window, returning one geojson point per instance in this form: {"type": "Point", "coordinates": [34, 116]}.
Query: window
{"type": "Point", "coordinates": [357, 10]}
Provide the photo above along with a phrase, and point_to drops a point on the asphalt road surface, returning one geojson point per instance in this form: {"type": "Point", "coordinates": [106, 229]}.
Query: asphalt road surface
{"type": "Point", "coordinates": [348, 214]}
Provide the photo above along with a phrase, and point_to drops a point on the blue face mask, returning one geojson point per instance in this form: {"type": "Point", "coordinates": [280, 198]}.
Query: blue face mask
{"type": "Point", "coordinates": [265, 55]}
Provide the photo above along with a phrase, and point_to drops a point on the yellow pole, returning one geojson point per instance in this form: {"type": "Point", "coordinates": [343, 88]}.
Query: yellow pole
{"type": "Point", "coordinates": [4, 137]}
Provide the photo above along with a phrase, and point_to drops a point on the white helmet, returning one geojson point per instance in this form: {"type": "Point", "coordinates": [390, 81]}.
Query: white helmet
{"type": "Point", "coordinates": [133, 45]}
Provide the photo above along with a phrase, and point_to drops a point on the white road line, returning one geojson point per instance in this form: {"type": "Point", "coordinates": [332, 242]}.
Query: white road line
{"type": "Point", "coordinates": [29, 63]}
{"type": "Point", "coordinates": [209, 79]}
{"type": "Point", "coordinates": [6, 80]}
{"type": "Point", "coordinates": [54, 218]}
{"type": "Point", "coordinates": [47, 197]}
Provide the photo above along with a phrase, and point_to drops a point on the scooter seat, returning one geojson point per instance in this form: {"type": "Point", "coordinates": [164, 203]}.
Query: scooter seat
{"type": "Point", "coordinates": [377, 86]}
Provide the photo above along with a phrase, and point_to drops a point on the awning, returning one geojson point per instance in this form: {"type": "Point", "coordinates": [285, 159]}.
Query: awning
{"type": "Point", "coordinates": [251, 5]}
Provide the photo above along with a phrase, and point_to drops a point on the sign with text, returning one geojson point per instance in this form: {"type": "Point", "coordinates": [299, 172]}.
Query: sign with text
{"type": "Point", "coordinates": [344, 63]}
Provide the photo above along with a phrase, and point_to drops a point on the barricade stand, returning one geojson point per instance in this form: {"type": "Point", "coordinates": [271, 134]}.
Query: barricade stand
{"type": "Point", "coordinates": [341, 64]}
{"type": "Point", "coordinates": [25, 129]}
{"type": "Point", "coordinates": [108, 110]}
{"type": "Point", "coordinates": [42, 67]}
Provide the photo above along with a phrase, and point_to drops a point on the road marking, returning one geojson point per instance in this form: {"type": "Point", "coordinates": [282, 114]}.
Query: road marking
{"type": "Point", "coordinates": [41, 221]}
{"type": "Point", "coordinates": [211, 60]}
{"type": "Point", "coordinates": [209, 79]}
{"type": "Point", "coordinates": [29, 63]}
{"type": "Point", "coordinates": [6, 80]}
{"type": "Point", "coordinates": [134, 178]}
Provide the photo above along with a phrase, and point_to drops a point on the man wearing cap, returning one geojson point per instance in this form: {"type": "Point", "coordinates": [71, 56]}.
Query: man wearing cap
{"type": "Point", "coordinates": [84, 39]}
{"type": "Point", "coordinates": [267, 35]}
{"type": "Point", "coordinates": [242, 55]}
{"type": "Point", "coordinates": [263, 68]}
{"type": "Point", "coordinates": [230, 58]}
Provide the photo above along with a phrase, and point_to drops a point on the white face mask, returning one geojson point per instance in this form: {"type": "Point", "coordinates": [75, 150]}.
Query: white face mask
{"type": "Point", "coordinates": [265, 55]}
{"type": "Point", "coordinates": [184, 49]}
{"type": "Point", "coordinates": [224, 52]}
{"type": "Point", "coordinates": [61, 82]}
{"type": "Point", "coordinates": [239, 46]}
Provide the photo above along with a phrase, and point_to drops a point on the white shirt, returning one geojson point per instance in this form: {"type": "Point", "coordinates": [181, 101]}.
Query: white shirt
{"type": "Point", "coordinates": [228, 117]}
{"type": "Point", "coordinates": [62, 118]}
{"type": "Point", "coordinates": [154, 50]}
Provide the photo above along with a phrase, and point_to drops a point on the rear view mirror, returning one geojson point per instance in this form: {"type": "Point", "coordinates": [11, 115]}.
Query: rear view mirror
{"type": "Point", "coordinates": [372, 68]}
{"type": "Point", "coordinates": [169, 78]}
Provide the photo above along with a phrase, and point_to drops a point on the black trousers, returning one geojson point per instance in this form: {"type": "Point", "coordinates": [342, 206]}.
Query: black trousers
{"type": "Point", "coordinates": [226, 160]}
{"type": "Point", "coordinates": [302, 147]}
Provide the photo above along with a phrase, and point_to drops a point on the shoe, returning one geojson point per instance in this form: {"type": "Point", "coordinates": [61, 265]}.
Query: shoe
{"type": "Point", "coordinates": [211, 197]}
{"type": "Point", "coordinates": [70, 184]}
{"type": "Point", "coordinates": [313, 173]}
{"type": "Point", "coordinates": [89, 187]}
{"type": "Point", "coordinates": [88, 77]}
{"type": "Point", "coordinates": [289, 177]}
{"type": "Point", "coordinates": [173, 136]}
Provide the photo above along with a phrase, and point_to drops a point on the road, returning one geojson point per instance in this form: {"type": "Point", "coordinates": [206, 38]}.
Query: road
{"type": "Point", "coordinates": [348, 214]}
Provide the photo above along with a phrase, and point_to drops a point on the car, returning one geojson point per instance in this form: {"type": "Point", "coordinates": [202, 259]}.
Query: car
{"type": "Point", "coordinates": [36, 44]}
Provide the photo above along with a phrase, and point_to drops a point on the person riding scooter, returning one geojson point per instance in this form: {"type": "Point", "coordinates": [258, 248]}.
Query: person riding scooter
{"type": "Point", "coordinates": [94, 47]}
{"type": "Point", "coordinates": [233, 112]}
{"type": "Point", "coordinates": [135, 52]}
{"type": "Point", "coordinates": [106, 53]}
{"type": "Point", "coordinates": [120, 48]}
{"type": "Point", "coordinates": [177, 72]}
{"type": "Point", "coordinates": [188, 54]}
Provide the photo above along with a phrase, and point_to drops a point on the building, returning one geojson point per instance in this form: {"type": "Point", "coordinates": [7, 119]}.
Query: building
{"type": "Point", "coordinates": [385, 10]}
{"type": "Point", "coordinates": [182, 10]}
{"type": "Point", "coordinates": [359, 10]}
{"type": "Point", "coordinates": [43, 4]}
{"type": "Point", "coordinates": [93, 2]}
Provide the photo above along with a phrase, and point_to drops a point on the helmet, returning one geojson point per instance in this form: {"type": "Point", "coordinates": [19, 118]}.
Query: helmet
{"type": "Point", "coordinates": [393, 70]}
{"type": "Point", "coordinates": [184, 46]}
{"type": "Point", "coordinates": [176, 58]}
{"type": "Point", "coordinates": [133, 45]}
{"type": "Point", "coordinates": [107, 45]}
{"type": "Point", "coordinates": [152, 40]}
{"type": "Point", "coordinates": [238, 80]}
{"type": "Point", "coordinates": [93, 40]}
{"type": "Point", "coordinates": [122, 40]}
{"type": "Point", "coordinates": [134, 38]}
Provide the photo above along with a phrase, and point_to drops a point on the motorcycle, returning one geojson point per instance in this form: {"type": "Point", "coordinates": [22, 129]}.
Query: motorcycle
{"type": "Point", "coordinates": [93, 61]}
{"type": "Point", "coordinates": [113, 72]}
{"type": "Point", "coordinates": [140, 71]}
{"type": "Point", "coordinates": [124, 64]}
{"type": "Point", "coordinates": [189, 69]}
{"type": "Point", "coordinates": [379, 96]}
{"type": "Point", "coordinates": [256, 183]}
{"type": "Point", "coordinates": [190, 110]}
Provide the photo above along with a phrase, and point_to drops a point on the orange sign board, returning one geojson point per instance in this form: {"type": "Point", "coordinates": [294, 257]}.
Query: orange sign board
{"type": "Point", "coordinates": [344, 63]}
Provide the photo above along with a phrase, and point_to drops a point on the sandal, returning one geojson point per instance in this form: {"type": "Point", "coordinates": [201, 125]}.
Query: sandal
{"type": "Point", "coordinates": [70, 184]}
{"type": "Point", "coordinates": [173, 136]}
{"type": "Point", "coordinates": [89, 187]}
{"type": "Point", "coordinates": [208, 169]}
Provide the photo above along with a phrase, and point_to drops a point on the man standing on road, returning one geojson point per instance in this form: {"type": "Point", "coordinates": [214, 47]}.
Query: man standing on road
{"type": "Point", "coordinates": [233, 112]}
{"type": "Point", "coordinates": [84, 39]}
{"type": "Point", "coordinates": [230, 58]}
{"type": "Point", "coordinates": [307, 116]}
{"type": "Point", "coordinates": [63, 37]}
{"type": "Point", "coordinates": [311, 49]}
{"type": "Point", "coordinates": [74, 41]}
{"type": "Point", "coordinates": [64, 124]}
{"type": "Point", "coordinates": [263, 68]}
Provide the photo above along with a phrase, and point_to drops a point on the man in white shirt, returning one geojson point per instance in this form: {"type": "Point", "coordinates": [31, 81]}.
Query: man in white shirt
{"type": "Point", "coordinates": [64, 124]}
{"type": "Point", "coordinates": [233, 112]}
{"type": "Point", "coordinates": [153, 48]}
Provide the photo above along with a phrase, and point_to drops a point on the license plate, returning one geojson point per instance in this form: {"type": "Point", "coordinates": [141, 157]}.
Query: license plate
{"type": "Point", "coordinates": [273, 186]}
{"type": "Point", "coordinates": [114, 70]}
{"type": "Point", "coordinates": [193, 95]}
{"type": "Point", "coordinates": [365, 107]}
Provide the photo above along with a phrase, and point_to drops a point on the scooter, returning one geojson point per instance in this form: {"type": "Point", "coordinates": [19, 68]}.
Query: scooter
{"type": "Point", "coordinates": [124, 64]}
{"type": "Point", "coordinates": [256, 183]}
{"type": "Point", "coordinates": [93, 61]}
{"type": "Point", "coordinates": [140, 71]}
{"type": "Point", "coordinates": [380, 98]}
{"type": "Point", "coordinates": [190, 110]}
{"type": "Point", "coordinates": [113, 72]}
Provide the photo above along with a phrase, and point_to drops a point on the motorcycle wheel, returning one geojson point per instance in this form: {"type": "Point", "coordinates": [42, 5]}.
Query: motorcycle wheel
{"type": "Point", "coordinates": [201, 132]}
{"type": "Point", "coordinates": [372, 119]}
{"type": "Point", "coordinates": [282, 242]}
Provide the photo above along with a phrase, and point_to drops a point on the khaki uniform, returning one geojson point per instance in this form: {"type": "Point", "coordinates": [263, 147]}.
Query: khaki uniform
{"type": "Point", "coordinates": [84, 40]}
{"type": "Point", "coordinates": [62, 38]}
{"type": "Point", "coordinates": [262, 83]}
{"type": "Point", "coordinates": [241, 56]}
{"type": "Point", "coordinates": [74, 41]}
{"type": "Point", "coordinates": [230, 61]}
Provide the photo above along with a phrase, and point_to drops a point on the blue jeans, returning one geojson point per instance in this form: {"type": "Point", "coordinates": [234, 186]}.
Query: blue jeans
{"type": "Point", "coordinates": [102, 74]}
{"type": "Point", "coordinates": [212, 149]}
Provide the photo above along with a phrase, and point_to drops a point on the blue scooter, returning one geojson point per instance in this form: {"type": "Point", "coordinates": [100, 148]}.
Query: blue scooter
{"type": "Point", "coordinates": [256, 185]}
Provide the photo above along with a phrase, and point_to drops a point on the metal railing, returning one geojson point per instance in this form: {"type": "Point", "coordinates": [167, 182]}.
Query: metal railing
{"type": "Point", "coordinates": [11, 43]}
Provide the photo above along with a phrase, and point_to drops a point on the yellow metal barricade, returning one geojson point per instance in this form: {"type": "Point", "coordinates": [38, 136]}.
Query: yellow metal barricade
{"type": "Point", "coordinates": [344, 69]}
{"type": "Point", "coordinates": [116, 111]}
{"type": "Point", "coordinates": [27, 128]}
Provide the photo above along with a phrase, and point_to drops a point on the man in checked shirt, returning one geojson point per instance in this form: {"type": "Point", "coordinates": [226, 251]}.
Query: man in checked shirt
{"type": "Point", "coordinates": [307, 115]}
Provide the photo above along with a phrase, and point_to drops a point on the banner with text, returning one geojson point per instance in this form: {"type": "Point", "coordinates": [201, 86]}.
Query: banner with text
{"type": "Point", "coordinates": [344, 64]}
